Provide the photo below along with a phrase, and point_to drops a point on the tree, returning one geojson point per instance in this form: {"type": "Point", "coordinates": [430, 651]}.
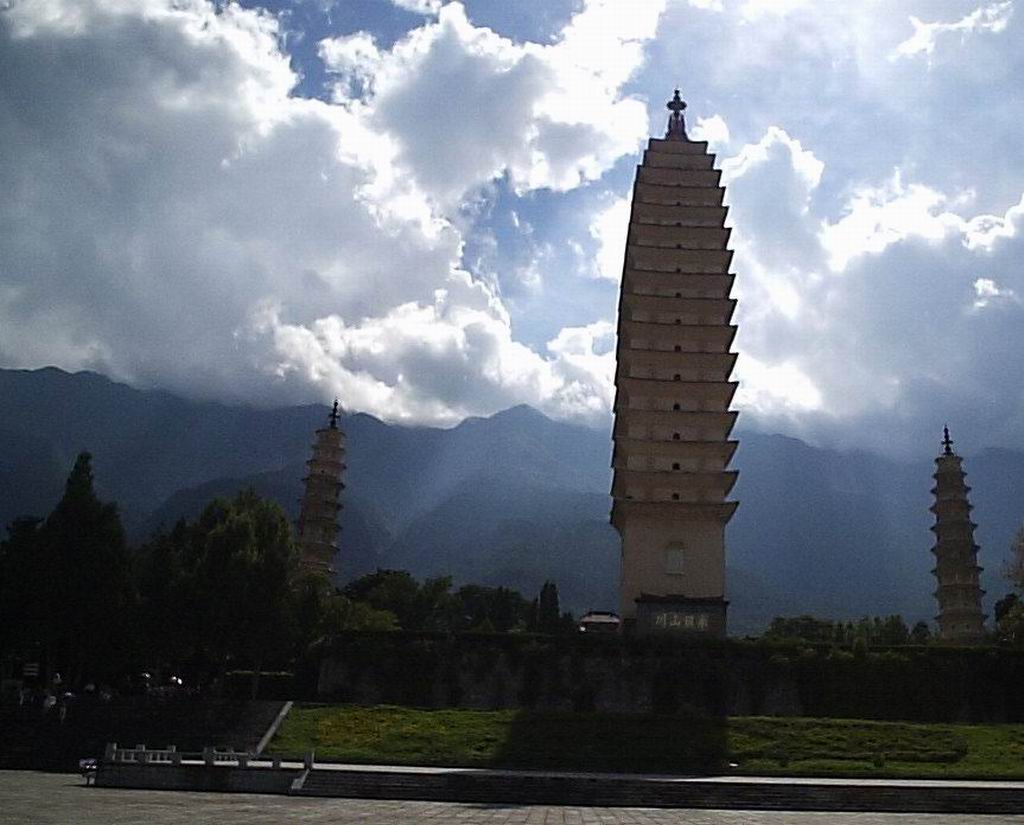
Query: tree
{"type": "Point", "coordinates": [1011, 626]}
{"type": "Point", "coordinates": [1009, 616]}
{"type": "Point", "coordinates": [497, 609]}
{"type": "Point", "coordinates": [802, 628]}
{"type": "Point", "coordinates": [429, 606]}
{"type": "Point", "coordinates": [166, 609]}
{"type": "Point", "coordinates": [220, 592]}
{"type": "Point", "coordinates": [1014, 568]}
{"type": "Point", "coordinates": [24, 589]}
{"type": "Point", "coordinates": [86, 586]}
{"type": "Point", "coordinates": [920, 634]}
{"type": "Point", "coordinates": [1004, 606]}
{"type": "Point", "coordinates": [320, 611]}
{"type": "Point", "coordinates": [245, 568]}
{"type": "Point", "coordinates": [550, 619]}
{"type": "Point", "coordinates": [890, 630]}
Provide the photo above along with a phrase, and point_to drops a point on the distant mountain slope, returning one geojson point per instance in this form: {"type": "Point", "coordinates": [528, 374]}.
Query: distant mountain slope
{"type": "Point", "coordinates": [511, 499]}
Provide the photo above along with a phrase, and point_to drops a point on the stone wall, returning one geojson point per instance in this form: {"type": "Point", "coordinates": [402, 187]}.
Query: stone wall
{"type": "Point", "coordinates": [198, 778]}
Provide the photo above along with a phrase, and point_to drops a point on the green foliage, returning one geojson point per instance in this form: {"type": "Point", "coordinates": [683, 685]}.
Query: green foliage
{"type": "Point", "coordinates": [491, 609]}
{"type": "Point", "coordinates": [765, 738]}
{"type": "Point", "coordinates": [432, 607]}
{"type": "Point", "coordinates": [548, 613]}
{"type": "Point", "coordinates": [509, 738]}
{"type": "Point", "coordinates": [1011, 625]}
{"type": "Point", "coordinates": [667, 744]}
{"type": "Point", "coordinates": [920, 634]}
{"type": "Point", "coordinates": [429, 606]}
{"type": "Point", "coordinates": [887, 631]}
{"type": "Point", "coordinates": [220, 590]}
{"type": "Point", "coordinates": [1014, 569]}
{"type": "Point", "coordinates": [803, 628]}
{"type": "Point", "coordinates": [66, 585]}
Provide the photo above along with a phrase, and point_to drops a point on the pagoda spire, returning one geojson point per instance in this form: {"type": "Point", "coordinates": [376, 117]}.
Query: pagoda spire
{"type": "Point", "coordinates": [676, 122]}
{"type": "Point", "coordinates": [956, 555]}
{"type": "Point", "coordinates": [317, 527]}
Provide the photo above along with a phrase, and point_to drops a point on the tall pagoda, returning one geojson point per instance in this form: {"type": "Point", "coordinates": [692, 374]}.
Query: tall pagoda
{"type": "Point", "coordinates": [673, 393]}
{"type": "Point", "coordinates": [317, 527]}
{"type": "Point", "coordinates": [956, 555]}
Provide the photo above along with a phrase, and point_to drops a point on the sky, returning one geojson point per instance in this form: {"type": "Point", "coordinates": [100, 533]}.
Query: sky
{"type": "Point", "coordinates": [420, 207]}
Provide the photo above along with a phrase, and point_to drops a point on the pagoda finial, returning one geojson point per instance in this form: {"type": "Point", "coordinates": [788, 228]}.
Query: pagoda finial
{"type": "Point", "coordinates": [334, 415]}
{"type": "Point", "coordinates": [947, 442]}
{"type": "Point", "coordinates": [676, 123]}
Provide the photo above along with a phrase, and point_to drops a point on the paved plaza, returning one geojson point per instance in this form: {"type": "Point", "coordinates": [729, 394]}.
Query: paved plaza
{"type": "Point", "coordinates": [29, 798]}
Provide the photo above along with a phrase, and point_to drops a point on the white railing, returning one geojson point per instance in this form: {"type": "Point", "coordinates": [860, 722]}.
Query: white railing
{"type": "Point", "coordinates": [141, 755]}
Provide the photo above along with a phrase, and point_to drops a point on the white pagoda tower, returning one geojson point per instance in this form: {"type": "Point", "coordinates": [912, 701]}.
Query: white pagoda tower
{"type": "Point", "coordinates": [317, 527]}
{"type": "Point", "coordinates": [956, 555]}
{"type": "Point", "coordinates": [673, 392]}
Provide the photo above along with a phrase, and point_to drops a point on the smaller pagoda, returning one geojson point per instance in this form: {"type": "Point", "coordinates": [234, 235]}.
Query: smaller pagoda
{"type": "Point", "coordinates": [317, 527]}
{"type": "Point", "coordinates": [956, 555]}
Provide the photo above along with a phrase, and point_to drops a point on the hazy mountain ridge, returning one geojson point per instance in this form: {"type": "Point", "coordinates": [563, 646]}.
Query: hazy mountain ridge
{"type": "Point", "coordinates": [511, 499]}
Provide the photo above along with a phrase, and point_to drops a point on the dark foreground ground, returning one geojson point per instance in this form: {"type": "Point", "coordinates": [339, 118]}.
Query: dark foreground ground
{"type": "Point", "coordinates": [30, 798]}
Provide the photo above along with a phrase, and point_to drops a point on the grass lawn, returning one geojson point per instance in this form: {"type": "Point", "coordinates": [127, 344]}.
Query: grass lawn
{"type": "Point", "coordinates": [665, 744]}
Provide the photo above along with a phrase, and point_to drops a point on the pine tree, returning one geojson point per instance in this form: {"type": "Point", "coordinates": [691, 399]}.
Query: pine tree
{"type": "Point", "coordinates": [548, 613]}
{"type": "Point", "coordinates": [86, 582]}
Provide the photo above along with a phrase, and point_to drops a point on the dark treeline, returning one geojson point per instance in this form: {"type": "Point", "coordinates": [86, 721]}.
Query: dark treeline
{"type": "Point", "coordinates": [1006, 626]}
{"type": "Point", "coordinates": [224, 592]}
{"type": "Point", "coordinates": [874, 630]}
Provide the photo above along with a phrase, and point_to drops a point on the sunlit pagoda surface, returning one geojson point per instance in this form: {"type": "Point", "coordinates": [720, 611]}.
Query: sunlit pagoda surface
{"type": "Point", "coordinates": [673, 392]}
{"type": "Point", "coordinates": [956, 555]}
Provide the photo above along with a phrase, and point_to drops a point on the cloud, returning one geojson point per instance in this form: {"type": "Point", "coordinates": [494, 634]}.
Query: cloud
{"type": "Point", "coordinates": [714, 130]}
{"type": "Point", "coordinates": [985, 231]}
{"type": "Point", "coordinates": [441, 362]}
{"type": "Point", "coordinates": [465, 106]}
{"type": "Point", "coordinates": [991, 18]}
{"type": "Point", "coordinates": [752, 10]}
{"type": "Point", "coordinates": [419, 6]}
{"type": "Point", "coordinates": [178, 216]}
{"type": "Point", "coordinates": [989, 293]}
{"type": "Point", "coordinates": [877, 217]}
{"type": "Point", "coordinates": [870, 322]}
{"type": "Point", "coordinates": [609, 229]}
{"type": "Point", "coordinates": [355, 59]}
{"type": "Point", "coordinates": [779, 388]}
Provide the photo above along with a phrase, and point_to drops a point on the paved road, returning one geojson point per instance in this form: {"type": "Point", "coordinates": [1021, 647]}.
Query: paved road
{"type": "Point", "coordinates": [28, 798]}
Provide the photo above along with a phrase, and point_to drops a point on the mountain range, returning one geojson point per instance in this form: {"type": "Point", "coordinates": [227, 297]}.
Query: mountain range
{"type": "Point", "coordinates": [512, 499]}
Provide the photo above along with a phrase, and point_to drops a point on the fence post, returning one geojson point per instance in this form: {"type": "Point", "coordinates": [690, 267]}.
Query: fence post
{"type": "Point", "coordinates": [307, 760]}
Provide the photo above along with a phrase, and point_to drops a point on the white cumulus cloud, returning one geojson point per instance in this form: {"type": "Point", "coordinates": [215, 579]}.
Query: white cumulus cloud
{"type": "Point", "coordinates": [991, 18]}
{"type": "Point", "coordinates": [177, 215]}
{"type": "Point", "coordinates": [609, 229]}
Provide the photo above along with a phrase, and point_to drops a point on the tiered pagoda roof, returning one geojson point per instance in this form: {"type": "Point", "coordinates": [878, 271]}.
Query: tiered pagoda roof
{"type": "Point", "coordinates": [956, 554]}
{"type": "Point", "coordinates": [317, 527]}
